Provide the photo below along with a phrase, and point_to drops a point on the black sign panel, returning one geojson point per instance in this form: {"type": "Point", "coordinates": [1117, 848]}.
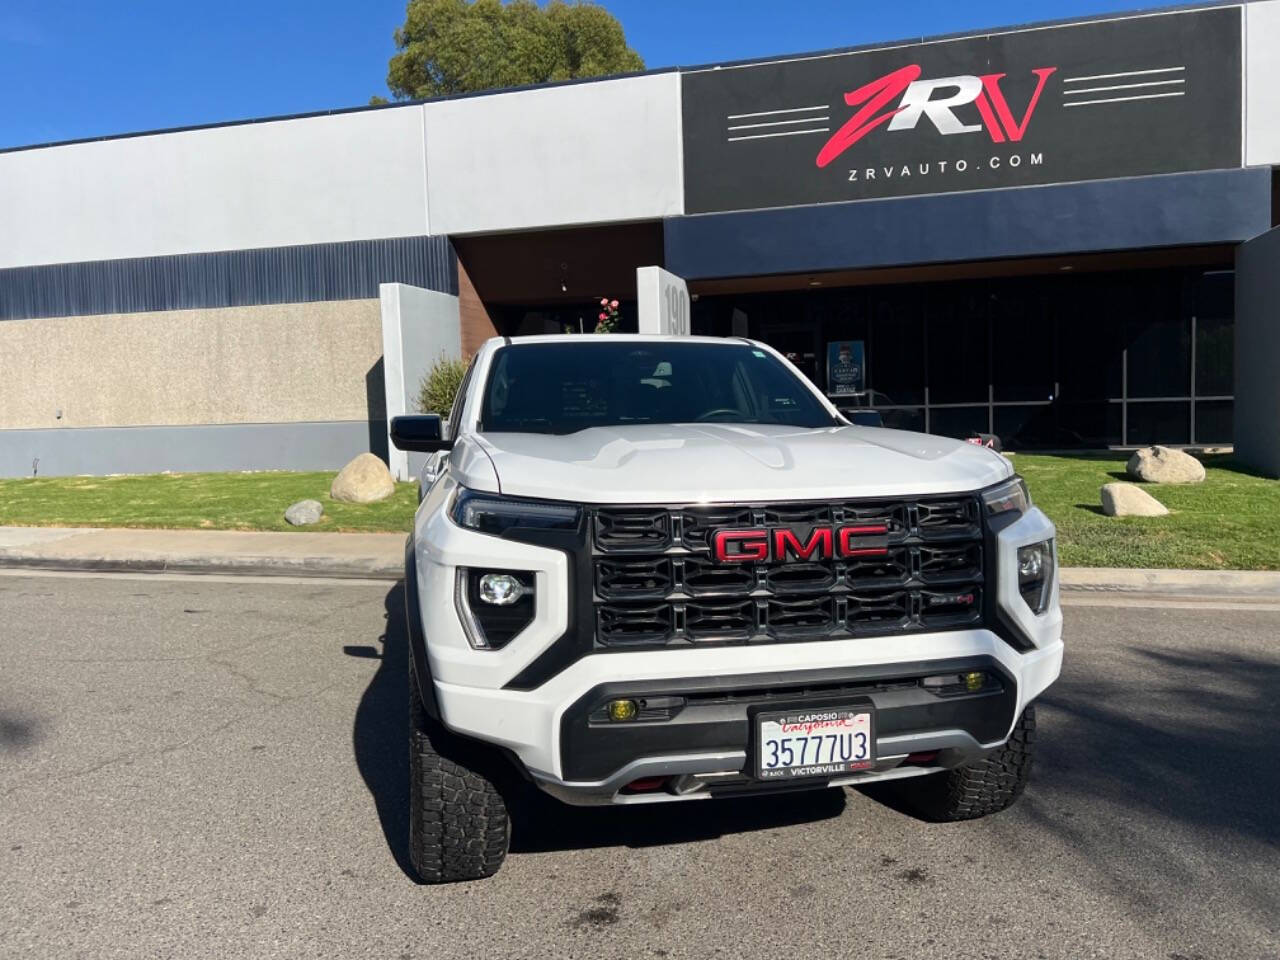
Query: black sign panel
{"type": "Point", "coordinates": [1143, 95]}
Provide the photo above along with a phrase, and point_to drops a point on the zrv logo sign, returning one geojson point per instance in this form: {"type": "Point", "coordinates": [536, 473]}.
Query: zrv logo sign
{"type": "Point", "coordinates": [1117, 97]}
{"type": "Point", "coordinates": [935, 99]}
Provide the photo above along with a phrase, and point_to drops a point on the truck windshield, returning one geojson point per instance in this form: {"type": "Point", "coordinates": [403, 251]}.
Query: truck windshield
{"type": "Point", "coordinates": [564, 387]}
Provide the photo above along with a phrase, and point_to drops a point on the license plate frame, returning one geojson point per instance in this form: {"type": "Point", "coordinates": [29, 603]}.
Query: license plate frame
{"type": "Point", "coordinates": [809, 721]}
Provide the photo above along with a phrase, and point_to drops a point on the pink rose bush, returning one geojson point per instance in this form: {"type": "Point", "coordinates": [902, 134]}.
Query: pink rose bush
{"type": "Point", "coordinates": [608, 316]}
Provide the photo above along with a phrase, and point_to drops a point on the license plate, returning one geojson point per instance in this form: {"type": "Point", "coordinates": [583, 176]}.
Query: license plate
{"type": "Point", "coordinates": [823, 742]}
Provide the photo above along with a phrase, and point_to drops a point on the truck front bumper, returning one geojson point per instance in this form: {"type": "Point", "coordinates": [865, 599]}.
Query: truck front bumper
{"type": "Point", "coordinates": [706, 748]}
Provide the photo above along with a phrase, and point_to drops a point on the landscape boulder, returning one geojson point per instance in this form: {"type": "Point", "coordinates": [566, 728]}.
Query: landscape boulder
{"type": "Point", "coordinates": [304, 512]}
{"type": "Point", "coordinates": [364, 480]}
{"type": "Point", "coordinates": [1165, 465]}
{"type": "Point", "coordinates": [1130, 500]}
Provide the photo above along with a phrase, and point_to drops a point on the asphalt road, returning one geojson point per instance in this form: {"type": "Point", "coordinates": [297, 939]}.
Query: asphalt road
{"type": "Point", "coordinates": [195, 768]}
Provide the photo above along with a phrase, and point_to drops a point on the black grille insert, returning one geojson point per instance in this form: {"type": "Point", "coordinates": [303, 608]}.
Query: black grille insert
{"type": "Point", "coordinates": [633, 578]}
{"type": "Point", "coordinates": [720, 619]}
{"type": "Point", "coordinates": [621, 530]}
{"type": "Point", "coordinates": [656, 584]}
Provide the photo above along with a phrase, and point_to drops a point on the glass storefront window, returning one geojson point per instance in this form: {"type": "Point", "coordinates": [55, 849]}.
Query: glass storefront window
{"type": "Point", "coordinates": [1214, 421]}
{"type": "Point", "coordinates": [958, 422]}
{"type": "Point", "coordinates": [1027, 427]}
{"type": "Point", "coordinates": [1089, 348]}
{"type": "Point", "coordinates": [957, 328]}
{"type": "Point", "coordinates": [1056, 361]}
{"type": "Point", "coordinates": [1096, 424]}
{"type": "Point", "coordinates": [908, 418]}
{"type": "Point", "coordinates": [1159, 422]}
{"type": "Point", "coordinates": [895, 348]}
{"type": "Point", "coordinates": [1215, 356]}
{"type": "Point", "coordinates": [1022, 343]}
{"type": "Point", "coordinates": [1158, 335]}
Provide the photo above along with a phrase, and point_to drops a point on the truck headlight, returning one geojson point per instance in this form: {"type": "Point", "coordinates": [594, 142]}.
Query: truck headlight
{"type": "Point", "coordinates": [1009, 497]}
{"type": "Point", "coordinates": [490, 513]}
{"type": "Point", "coordinates": [1035, 574]}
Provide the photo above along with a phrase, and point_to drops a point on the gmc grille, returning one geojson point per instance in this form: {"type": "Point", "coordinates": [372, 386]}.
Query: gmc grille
{"type": "Point", "coordinates": [656, 583]}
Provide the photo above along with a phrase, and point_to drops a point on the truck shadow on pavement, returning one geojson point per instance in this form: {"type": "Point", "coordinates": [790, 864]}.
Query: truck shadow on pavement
{"type": "Point", "coordinates": [1164, 789]}
{"type": "Point", "coordinates": [1193, 746]}
{"type": "Point", "coordinates": [539, 823]}
{"type": "Point", "coordinates": [1188, 752]}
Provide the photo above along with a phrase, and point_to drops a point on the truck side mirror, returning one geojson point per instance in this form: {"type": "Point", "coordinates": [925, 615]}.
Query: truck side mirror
{"type": "Point", "coordinates": [421, 434]}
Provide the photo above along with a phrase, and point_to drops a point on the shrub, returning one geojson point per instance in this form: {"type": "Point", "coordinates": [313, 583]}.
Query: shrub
{"type": "Point", "coordinates": [608, 317]}
{"type": "Point", "coordinates": [440, 385]}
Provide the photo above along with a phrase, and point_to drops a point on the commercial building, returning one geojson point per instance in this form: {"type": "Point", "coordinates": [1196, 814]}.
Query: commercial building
{"type": "Point", "coordinates": [1060, 233]}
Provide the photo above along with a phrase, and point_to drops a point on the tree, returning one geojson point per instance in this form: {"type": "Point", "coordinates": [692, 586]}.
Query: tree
{"type": "Point", "coordinates": [460, 46]}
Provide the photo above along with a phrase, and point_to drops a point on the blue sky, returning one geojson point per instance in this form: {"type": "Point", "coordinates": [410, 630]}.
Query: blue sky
{"type": "Point", "coordinates": [84, 68]}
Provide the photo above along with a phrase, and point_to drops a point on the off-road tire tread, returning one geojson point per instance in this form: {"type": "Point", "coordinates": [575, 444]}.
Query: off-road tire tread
{"type": "Point", "coordinates": [983, 787]}
{"type": "Point", "coordinates": [459, 828]}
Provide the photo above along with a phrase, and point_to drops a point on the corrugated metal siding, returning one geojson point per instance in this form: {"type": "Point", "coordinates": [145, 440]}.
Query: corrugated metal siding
{"type": "Point", "coordinates": [232, 278]}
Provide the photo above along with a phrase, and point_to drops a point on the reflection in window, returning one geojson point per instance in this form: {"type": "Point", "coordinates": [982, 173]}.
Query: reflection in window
{"type": "Point", "coordinates": [959, 422]}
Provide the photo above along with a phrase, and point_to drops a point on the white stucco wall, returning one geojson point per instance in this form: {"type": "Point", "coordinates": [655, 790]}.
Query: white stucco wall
{"type": "Point", "coordinates": [1262, 83]}
{"type": "Point", "coordinates": [556, 156]}
{"type": "Point", "coordinates": [354, 176]}
{"type": "Point", "coordinates": [580, 153]}
{"type": "Point", "coordinates": [418, 328]}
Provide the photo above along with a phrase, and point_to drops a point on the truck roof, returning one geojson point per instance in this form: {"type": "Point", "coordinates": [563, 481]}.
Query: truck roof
{"type": "Point", "coordinates": [494, 342]}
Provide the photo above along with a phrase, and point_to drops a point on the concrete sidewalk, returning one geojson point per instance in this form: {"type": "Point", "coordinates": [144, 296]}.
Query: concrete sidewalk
{"type": "Point", "coordinates": [381, 556]}
{"type": "Point", "coordinates": [378, 555]}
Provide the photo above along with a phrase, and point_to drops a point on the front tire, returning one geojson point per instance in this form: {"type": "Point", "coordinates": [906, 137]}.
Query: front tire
{"type": "Point", "coordinates": [980, 788]}
{"type": "Point", "coordinates": [459, 828]}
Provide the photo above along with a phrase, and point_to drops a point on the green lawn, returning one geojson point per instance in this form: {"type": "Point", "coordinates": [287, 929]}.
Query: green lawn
{"type": "Point", "coordinates": [1231, 521]}
{"type": "Point", "coordinates": [212, 501]}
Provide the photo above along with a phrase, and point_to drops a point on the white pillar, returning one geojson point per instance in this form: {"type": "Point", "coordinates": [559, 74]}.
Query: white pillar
{"type": "Point", "coordinates": [418, 328]}
{"type": "Point", "coordinates": [663, 302]}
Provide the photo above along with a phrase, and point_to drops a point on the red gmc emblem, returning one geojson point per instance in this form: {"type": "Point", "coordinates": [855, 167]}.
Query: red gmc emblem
{"type": "Point", "coordinates": [784, 545]}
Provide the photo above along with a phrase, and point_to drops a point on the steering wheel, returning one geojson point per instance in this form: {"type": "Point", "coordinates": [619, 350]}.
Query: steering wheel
{"type": "Point", "coordinates": [717, 412]}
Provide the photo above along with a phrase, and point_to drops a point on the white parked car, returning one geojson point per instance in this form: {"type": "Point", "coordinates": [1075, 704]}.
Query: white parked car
{"type": "Point", "coordinates": [652, 569]}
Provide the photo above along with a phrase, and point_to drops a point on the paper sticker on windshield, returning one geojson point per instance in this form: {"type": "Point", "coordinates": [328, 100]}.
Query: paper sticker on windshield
{"type": "Point", "coordinates": [757, 353]}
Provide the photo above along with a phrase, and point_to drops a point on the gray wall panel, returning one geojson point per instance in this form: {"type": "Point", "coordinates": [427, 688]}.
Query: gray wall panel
{"type": "Point", "coordinates": [100, 451]}
{"type": "Point", "coordinates": [1221, 206]}
{"type": "Point", "coordinates": [232, 278]}
{"type": "Point", "coordinates": [1257, 390]}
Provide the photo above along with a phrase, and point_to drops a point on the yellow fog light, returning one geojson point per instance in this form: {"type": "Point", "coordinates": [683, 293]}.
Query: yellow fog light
{"type": "Point", "coordinates": [973, 682]}
{"type": "Point", "coordinates": [623, 709]}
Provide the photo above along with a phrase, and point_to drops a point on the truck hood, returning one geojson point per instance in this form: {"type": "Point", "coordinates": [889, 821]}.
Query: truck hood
{"type": "Point", "coordinates": [691, 463]}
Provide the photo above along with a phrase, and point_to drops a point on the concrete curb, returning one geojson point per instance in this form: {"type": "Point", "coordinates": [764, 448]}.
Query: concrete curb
{"type": "Point", "coordinates": [1250, 584]}
{"type": "Point", "coordinates": [381, 557]}
{"type": "Point", "coordinates": [327, 567]}
{"type": "Point", "coordinates": [98, 550]}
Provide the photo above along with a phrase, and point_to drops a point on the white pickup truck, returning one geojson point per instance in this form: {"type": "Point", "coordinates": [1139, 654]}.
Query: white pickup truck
{"type": "Point", "coordinates": [655, 569]}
